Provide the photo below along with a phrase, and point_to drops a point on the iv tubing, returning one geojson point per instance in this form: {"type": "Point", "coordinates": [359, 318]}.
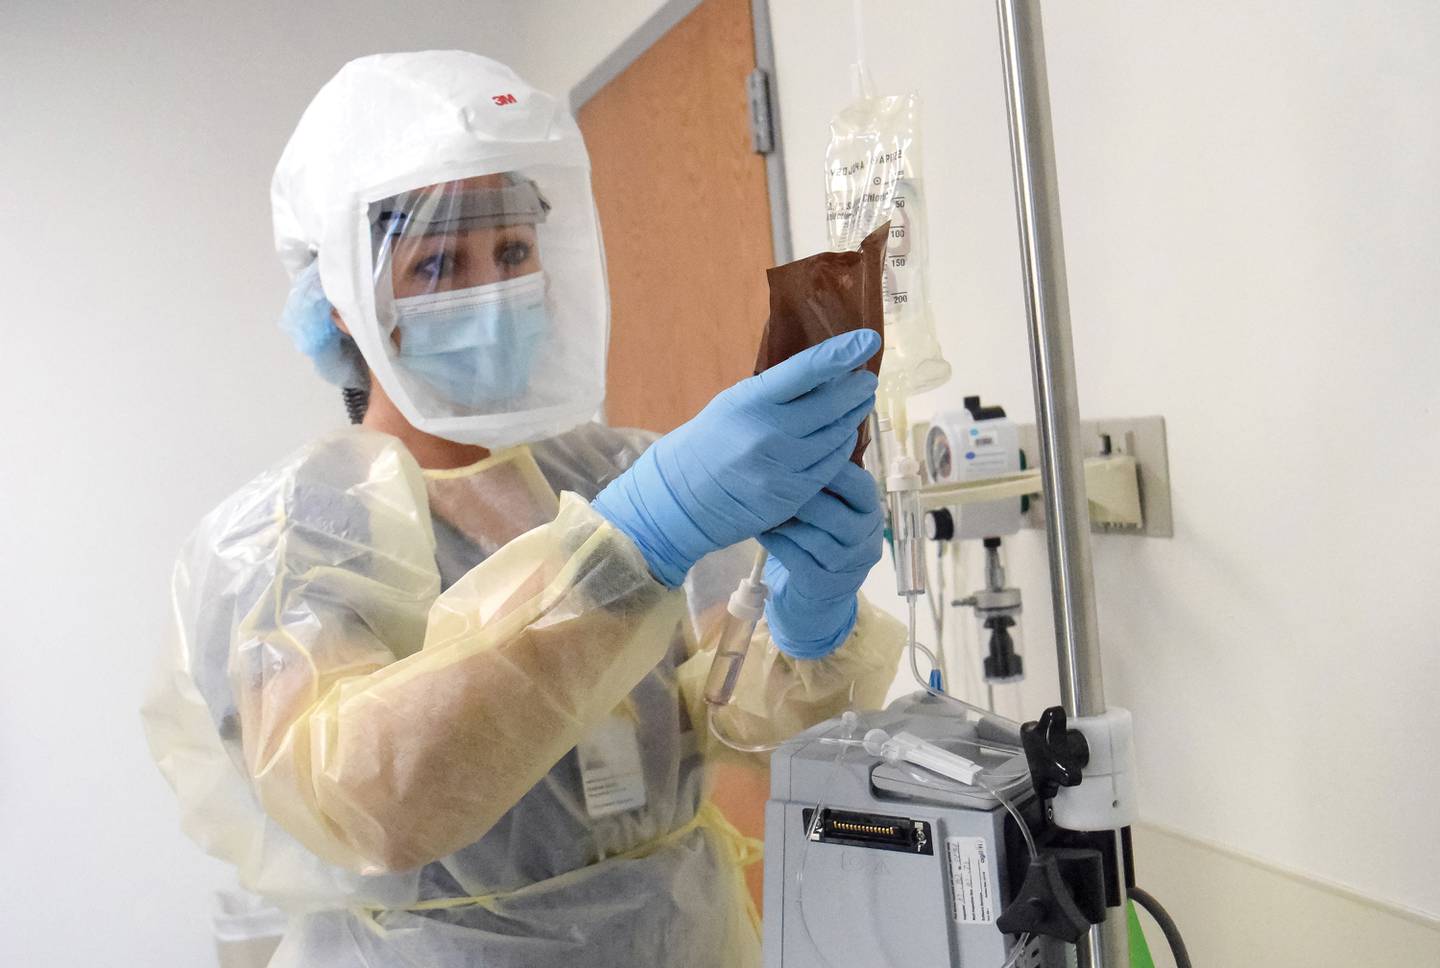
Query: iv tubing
{"type": "Point", "coordinates": [757, 570]}
{"type": "Point", "coordinates": [847, 724]}
{"type": "Point", "coordinates": [860, 78]}
{"type": "Point", "coordinates": [997, 793]}
{"type": "Point", "coordinates": [915, 648]}
{"type": "Point", "coordinates": [1017, 951]}
{"type": "Point", "coordinates": [736, 745]}
{"type": "Point", "coordinates": [937, 611]}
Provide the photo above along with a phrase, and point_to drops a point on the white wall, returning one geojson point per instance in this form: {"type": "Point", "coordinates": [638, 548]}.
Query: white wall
{"type": "Point", "coordinates": [142, 379]}
{"type": "Point", "coordinates": [564, 40]}
{"type": "Point", "coordinates": [1244, 191]}
{"type": "Point", "coordinates": [1250, 233]}
{"type": "Point", "coordinates": [1248, 195]}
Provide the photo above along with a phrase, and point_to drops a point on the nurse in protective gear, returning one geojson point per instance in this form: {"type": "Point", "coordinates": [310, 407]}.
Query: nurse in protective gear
{"type": "Point", "coordinates": [436, 689]}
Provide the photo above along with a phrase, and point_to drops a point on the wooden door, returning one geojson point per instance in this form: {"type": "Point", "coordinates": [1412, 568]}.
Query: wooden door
{"type": "Point", "coordinates": [685, 212]}
{"type": "Point", "coordinates": [686, 218]}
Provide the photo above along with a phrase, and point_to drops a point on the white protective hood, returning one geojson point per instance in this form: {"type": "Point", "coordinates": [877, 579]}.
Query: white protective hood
{"type": "Point", "coordinates": [391, 124]}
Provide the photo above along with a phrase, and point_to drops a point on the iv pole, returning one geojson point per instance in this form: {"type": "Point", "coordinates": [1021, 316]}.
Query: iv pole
{"type": "Point", "coordinates": [1057, 416]}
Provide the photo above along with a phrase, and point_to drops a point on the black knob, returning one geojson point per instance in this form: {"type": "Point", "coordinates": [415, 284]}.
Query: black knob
{"type": "Point", "coordinates": [1044, 905]}
{"type": "Point", "coordinates": [1056, 755]}
{"type": "Point", "coordinates": [1002, 664]}
{"type": "Point", "coordinates": [939, 525]}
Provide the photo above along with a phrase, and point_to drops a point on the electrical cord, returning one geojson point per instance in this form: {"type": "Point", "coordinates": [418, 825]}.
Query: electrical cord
{"type": "Point", "coordinates": [1167, 925]}
{"type": "Point", "coordinates": [357, 401]}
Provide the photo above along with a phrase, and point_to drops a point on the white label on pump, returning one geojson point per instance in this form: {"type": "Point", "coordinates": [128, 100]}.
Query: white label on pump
{"type": "Point", "coordinates": [610, 768]}
{"type": "Point", "coordinates": [971, 899]}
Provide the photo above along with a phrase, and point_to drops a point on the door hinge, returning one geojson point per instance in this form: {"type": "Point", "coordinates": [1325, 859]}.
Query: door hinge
{"type": "Point", "coordinates": [762, 117]}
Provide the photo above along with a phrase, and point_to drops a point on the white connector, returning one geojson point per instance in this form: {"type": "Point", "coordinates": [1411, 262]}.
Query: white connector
{"type": "Point", "coordinates": [747, 601]}
{"type": "Point", "coordinates": [922, 753]}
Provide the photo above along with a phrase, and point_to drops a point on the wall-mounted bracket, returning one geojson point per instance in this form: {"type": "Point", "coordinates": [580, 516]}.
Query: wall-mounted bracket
{"type": "Point", "coordinates": [1142, 438]}
{"type": "Point", "coordinates": [1127, 477]}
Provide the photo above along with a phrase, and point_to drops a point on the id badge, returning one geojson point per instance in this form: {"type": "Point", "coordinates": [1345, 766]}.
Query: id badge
{"type": "Point", "coordinates": [610, 769]}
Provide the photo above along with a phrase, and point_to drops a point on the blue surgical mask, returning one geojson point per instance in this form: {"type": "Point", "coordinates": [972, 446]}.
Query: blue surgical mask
{"type": "Point", "coordinates": [474, 347]}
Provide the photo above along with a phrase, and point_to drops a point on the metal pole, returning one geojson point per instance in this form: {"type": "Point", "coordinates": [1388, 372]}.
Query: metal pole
{"type": "Point", "coordinates": [1057, 408]}
{"type": "Point", "coordinates": [1052, 362]}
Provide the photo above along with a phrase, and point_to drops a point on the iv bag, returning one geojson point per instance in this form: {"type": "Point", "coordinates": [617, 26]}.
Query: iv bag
{"type": "Point", "coordinates": [872, 172]}
{"type": "Point", "coordinates": [823, 296]}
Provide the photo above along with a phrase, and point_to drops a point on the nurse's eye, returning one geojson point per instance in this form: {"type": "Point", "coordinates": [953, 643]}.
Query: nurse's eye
{"type": "Point", "coordinates": [441, 265]}
{"type": "Point", "coordinates": [514, 253]}
{"type": "Point", "coordinates": [432, 268]}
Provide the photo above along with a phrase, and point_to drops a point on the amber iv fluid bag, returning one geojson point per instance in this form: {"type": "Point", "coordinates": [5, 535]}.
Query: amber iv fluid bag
{"type": "Point", "coordinates": [810, 301]}
{"type": "Point", "coordinates": [873, 176]}
{"type": "Point", "coordinates": [823, 296]}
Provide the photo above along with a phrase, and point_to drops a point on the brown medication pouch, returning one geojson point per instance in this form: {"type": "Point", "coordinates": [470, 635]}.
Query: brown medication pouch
{"type": "Point", "coordinates": [823, 296]}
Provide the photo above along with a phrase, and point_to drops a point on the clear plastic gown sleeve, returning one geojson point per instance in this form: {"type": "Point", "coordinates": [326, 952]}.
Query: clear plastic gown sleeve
{"type": "Point", "coordinates": [321, 675]}
{"type": "Point", "coordinates": [381, 723]}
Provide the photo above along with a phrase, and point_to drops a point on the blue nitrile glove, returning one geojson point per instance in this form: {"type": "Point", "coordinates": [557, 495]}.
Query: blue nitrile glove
{"type": "Point", "coordinates": [818, 560]}
{"type": "Point", "coordinates": [748, 461]}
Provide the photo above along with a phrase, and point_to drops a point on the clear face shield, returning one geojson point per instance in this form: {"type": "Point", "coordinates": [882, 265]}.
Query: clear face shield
{"type": "Point", "coordinates": [489, 304]}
